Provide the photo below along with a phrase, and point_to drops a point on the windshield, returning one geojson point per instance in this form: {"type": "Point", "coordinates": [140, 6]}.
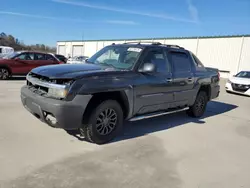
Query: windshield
{"type": "Point", "coordinates": [11, 55]}
{"type": "Point", "coordinates": [243, 74]}
{"type": "Point", "coordinates": [120, 57]}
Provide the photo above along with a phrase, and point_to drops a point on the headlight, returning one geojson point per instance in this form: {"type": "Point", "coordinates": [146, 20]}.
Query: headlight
{"type": "Point", "coordinates": [58, 92]}
{"type": "Point", "coordinates": [228, 81]}
{"type": "Point", "coordinates": [60, 89]}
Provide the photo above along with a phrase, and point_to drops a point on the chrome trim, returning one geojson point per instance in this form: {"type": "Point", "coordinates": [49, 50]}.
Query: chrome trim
{"type": "Point", "coordinates": [157, 114]}
{"type": "Point", "coordinates": [36, 81]}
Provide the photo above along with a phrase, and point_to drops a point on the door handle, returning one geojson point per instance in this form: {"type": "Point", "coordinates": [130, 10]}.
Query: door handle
{"type": "Point", "coordinates": [190, 79]}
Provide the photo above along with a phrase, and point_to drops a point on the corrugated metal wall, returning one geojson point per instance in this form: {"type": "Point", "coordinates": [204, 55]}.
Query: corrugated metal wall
{"type": "Point", "coordinates": [228, 54]}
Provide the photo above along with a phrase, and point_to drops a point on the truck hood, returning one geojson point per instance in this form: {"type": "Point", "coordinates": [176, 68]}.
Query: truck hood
{"type": "Point", "coordinates": [237, 80]}
{"type": "Point", "coordinates": [70, 70]}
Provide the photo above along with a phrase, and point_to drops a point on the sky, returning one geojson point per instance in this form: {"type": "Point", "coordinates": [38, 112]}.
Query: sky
{"type": "Point", "coordinates": [49, 21]}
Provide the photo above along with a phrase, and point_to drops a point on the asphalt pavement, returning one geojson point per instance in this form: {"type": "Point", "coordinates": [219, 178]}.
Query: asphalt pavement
{"type": "Point", "coordinates": [172, 151]}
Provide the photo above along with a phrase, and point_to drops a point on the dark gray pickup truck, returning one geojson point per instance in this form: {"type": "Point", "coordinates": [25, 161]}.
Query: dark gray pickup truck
{"type": "Point", "coordinates": [130, 81]}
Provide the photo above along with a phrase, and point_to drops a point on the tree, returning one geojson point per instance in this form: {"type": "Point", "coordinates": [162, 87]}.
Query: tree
{"type": "Point", "coordinates": [9, 40]}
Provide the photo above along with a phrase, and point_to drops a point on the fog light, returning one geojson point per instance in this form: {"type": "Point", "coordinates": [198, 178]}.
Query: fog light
{"type": "Point", "coordinates": [51, 119]}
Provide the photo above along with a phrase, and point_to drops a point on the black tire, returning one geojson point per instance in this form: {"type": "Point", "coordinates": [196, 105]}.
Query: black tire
{"type": "Point", "coordinates": [101, 121]}
{"type": "Point", "coordinates": [4, 74]}
{"type": "Point", "coordinates": [199, 106]}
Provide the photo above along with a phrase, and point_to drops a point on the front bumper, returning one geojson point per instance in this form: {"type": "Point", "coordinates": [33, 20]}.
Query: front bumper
{"type": "Point", "coordinates": [229, 88]}
{"type": "Point", "coordinates": [68, 114]}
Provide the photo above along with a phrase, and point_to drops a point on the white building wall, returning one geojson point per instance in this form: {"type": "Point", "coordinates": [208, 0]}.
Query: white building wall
{"type": "Point", "coordinates": [222, 53]}
{"type": "Point", "coordinates": [90, 48]}
{"type": "Point", "coordinates": [228, 54]}
{"type": "Point", "coordinates": [100, 45]}
{"type": "Point", "coordinates": [189, 44]}
{"type": "Point", "coordinates": [245, 55]}
{"type": "Point", "coordinates": [61, 49]}
{"type": "Point", "coordinates": [77, 50]}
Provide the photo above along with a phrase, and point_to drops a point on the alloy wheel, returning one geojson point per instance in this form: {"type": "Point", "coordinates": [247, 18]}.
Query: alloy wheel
{"type": "Point", "coordinates": [4, 74]}
{"type": "Point", "coordinates": [106, 121]}
{"type": "Point", "coordinates": [200, 105]}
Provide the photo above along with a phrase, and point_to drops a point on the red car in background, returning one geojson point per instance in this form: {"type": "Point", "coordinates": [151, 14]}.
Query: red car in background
{"type": "Point", "coordinates": [21, 63]}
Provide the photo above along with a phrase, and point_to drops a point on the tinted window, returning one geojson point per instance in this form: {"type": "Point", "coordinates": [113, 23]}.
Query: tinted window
{"type": "Point", "coordinates": [26, 56]}
{"type": "Point", "coordinates": [157, 57]}
{"type": "Point", "coordinates": [50, 57]}
{"type": "Point", "coordinates": [197, 61]}
{"type": "Point", "coordinates": [243, 74]}
{"type": "Point", "coordinates": [60, 57]}
{"type": "Point", "coordinates": [40, 57]}
{"type": "Point", "coordinates": [181, 62]}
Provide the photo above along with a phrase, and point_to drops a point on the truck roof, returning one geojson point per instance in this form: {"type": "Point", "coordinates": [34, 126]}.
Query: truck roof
{"type": "Point", "coordinates": [150, 44]}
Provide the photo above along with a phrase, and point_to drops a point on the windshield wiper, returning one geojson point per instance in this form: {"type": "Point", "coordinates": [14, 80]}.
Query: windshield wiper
{"type": "Point", "coordinates": [109, 65]}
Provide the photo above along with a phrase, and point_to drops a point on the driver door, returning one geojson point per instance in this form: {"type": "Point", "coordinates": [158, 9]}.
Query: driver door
{"type": "Point", "coordinates": [154, 91]}
{"type": "Point", "coordinates": [23, 63]}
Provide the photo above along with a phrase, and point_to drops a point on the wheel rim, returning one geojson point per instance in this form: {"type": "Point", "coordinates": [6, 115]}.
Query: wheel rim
{"type": "Point", "coordinates": [4, 73]}
{"type": "Point", "coordinates": [106, 121]}
{"type": "Point", "coordinates": [200, 105]}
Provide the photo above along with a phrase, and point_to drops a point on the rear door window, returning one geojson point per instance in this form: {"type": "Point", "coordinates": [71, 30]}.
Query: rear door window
{"type": "Point", "coordinates": [198, 63]}
{"type": "Point", "coordinates": [40, 57]}
{"type": "Point", "coordinates": [181, 61]}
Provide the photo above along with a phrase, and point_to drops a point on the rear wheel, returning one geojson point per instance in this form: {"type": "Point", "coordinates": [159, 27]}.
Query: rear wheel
{"type": "Point", "coordinates": [4, 74]}
{"type": "Point", "coordinates": [104, 123]}
{"type": "Point", "coordinates": [199, 106]}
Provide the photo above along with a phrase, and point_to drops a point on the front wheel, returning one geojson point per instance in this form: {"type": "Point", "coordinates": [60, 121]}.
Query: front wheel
{"type": "Point", "coordinates": [199, 106]}
{"type": "Point", "coordinates": [104, 123]}
{"type": "Point", "coordinates": [4, 74]}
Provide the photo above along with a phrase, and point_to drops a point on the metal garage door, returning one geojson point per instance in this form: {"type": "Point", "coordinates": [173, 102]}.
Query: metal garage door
{"type": "Point", "coordinates": [77, 50]}
{"type": "Point", "coordinates": [61, 50]}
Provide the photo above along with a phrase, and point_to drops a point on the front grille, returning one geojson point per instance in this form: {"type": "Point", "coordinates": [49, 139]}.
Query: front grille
{"type": "Point", "coordinates": [240, 87]}
{"type": "Point", "coordinates": [41, 85]}
{"type": "Point", "coordinates": [40, 90]}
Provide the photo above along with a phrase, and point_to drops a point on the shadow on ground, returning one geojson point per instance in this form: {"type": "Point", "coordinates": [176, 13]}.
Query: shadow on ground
{"type": "Point", "coordinates": [147, 126]}
{"type": "Point", "coordinates": [120, 164]}
{"type": "Point", "coordinates": [111, 166]}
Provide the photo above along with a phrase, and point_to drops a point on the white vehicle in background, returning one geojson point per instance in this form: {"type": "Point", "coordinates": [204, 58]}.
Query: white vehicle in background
{"type": "Point", "coordinates": [5, 50]}
{"type": "Point", "coordinates": [239, 83]}
{"type": "Point", "coordinates": [77, 59]}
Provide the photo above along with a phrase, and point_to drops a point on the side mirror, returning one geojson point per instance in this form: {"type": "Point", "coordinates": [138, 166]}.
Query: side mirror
{"type": "Point", "coordinates": [17, 59]}
{"type": "Point", "coordinates": [148, 68]}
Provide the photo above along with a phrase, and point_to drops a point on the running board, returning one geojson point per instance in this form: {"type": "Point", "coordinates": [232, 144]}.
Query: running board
{"type": "Point", "coordinates": [147, 116]}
